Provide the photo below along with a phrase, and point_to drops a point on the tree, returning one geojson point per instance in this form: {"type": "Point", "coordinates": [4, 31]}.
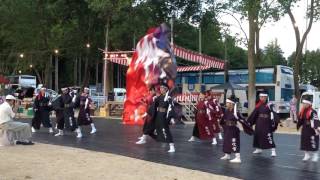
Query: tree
{"type": "Point", "coordinates": [273, 55]}
{"type": "Point", "coordinates": [310, 67]}
{"type": "Point", "coordinates": [257, 12]}
{"type": "Point", "coordinates": [313, 14]}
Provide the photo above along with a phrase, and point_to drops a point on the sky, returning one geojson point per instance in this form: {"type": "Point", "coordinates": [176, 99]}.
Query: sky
{"type": "Point", "coordinates": [282, 30]}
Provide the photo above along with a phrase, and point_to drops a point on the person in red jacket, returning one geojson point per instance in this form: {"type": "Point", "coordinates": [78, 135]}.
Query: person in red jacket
{"type": "Point", "coordinates": [202, 129]}
{"type": "Point", "coordinates": [215, 114]}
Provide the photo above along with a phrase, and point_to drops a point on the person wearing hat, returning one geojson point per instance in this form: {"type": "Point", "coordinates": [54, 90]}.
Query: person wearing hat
{"type": "Point", "coordinates": [149, 125]}
{"type": "Point", "coordinates": [202, 129]}
{"type": "Point", "coordinates": [12, 132]}
{"type": "Point", "coordinates": [231, 142]}
{"type": "Point", "coordinates": [68, 111]}
{"type": "Point", "coordinates": [84, 119]}
{"type": "Point", "coordinates": [310, 123]}
{"type": "Point", "coordinates": [162, 119]}
{"type": "Point", "coordinates": [41, 108]}
{"type": "Point", "coordinates": [266, 122]}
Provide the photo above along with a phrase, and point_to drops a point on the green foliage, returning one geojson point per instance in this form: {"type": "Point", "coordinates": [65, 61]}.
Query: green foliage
{"type": "Point", "coordinates": [310, 67]}
{"type": "Point", "coordinates": [273, 55]}
{"type": "Point", "coordinates": [37, 27]}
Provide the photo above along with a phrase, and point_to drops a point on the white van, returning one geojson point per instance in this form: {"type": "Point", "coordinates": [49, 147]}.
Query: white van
{"type": "Point", "coordinates": [315, 96]}
{"type": "Point", "coordinates": [119, 94]}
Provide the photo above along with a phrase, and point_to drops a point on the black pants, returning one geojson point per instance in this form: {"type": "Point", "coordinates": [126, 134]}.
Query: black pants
{"type": "Point", "coordinates": [69, 120]}
{"type": "Point", "coordinates": [60, 119]}
{"type": "Point", "coordinates": [149, 127]}
{"type": "Point", "coordinates": [41, 117]}
{"type": "Point", "coordinates": [195, 132]}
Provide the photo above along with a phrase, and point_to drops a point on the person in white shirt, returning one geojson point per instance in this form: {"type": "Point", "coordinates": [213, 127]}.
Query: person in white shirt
{"type": "Point", "coordinates": [12, 132]}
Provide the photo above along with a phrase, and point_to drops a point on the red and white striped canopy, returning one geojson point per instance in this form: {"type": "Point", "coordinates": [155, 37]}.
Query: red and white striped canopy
{"type": "Point", "coordinates": [202, 59]}
{"type": "Point", "coordinates": [206, 62]}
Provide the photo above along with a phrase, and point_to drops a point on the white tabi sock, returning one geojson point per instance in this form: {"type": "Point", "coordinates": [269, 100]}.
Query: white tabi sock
{"type": "Point", "coordinates": [60, 133]}
{"type": "Point", "coordinates": [172, 148]}
{"type": "Point", "coordinates": [315, 157]}
{"type": "Point", "coordinates": [50, 130]}
{"type": "Point", "coordinates": [192, 138]}
{"type": "Point", "coordinates": [225, 157]}
{"type": "Point", "coordinates": [306, 156]}
{"type": "Point", "coordinates": [214, 141]}
{"type": "Point", "coordinates": [142, 140]}
{"type": "Point", "coordinates": [257, 151]}
{"type": "Point", "coordinates": [93, 129]}
{"type": "Point", "coordinates": [273, 152]}
{"type": "Point", "coordinates": [79, 134]}
{"type": "Point", "coordinates": [237, 159]}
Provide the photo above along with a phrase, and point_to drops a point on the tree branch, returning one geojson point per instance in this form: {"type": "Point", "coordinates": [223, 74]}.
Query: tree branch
{"type": "Point", "coordinates": [239, 23]}
{"type": "Point", "coordinates": [295, 27]}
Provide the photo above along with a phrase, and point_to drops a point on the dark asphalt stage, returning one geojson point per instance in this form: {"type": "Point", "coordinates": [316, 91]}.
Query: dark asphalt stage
{"type": "Point", "coordinates": [116, 138]}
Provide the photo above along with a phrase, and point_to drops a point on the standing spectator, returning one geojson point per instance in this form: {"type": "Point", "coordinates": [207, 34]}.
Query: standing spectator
{"type": "Point", "coordinates": [293, 110]}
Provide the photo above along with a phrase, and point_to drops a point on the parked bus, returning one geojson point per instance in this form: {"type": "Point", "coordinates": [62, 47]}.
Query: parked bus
{"type": "Point", "coordinates": [23, 81]}
{"type": "Point", "coordinates": [277, 81]}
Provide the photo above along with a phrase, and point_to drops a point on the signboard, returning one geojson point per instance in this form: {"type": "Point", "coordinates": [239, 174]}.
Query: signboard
{"type": "Point", "coordinates": [116, 55]}
{"type": "Point", "coordinates": [194, 96]}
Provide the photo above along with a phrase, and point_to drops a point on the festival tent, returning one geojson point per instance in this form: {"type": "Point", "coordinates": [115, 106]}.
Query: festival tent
{"type": "Point", "coordinates": [205, 62]}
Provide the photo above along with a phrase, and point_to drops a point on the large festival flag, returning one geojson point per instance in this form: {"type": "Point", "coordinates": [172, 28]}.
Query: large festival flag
{"type": "Point", "coordinates": [153, 60]}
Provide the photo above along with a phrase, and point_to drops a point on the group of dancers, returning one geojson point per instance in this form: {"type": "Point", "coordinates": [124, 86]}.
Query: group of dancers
{"type": "Point", "coordinates": [64, 106]}
{"type": "Point", "coordinates": [211, 118]}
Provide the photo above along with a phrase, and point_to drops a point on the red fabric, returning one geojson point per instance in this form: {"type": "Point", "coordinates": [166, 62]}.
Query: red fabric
{"type": "Point", "coordinates": [260, 103]}
{"type": "Point", "coordinates": [215, 115]}
{"type": "Point", "coordinates": [3, 80]}
{"type": "Point", "coordinates": [40, 95]}
{"type": "Point", "coordinates": [308, 112]}
{"type": "Point", "coordinates": [205, 128]}
{"type": "Point", "coordinates": [137, 90]}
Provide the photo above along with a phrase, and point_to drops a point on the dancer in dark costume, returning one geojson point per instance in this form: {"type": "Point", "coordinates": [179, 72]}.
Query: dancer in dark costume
{"type": "Point", "coordinates": [266, 122]}
{"type": "Point", "coordinates": [162, 119]}
{"type": "Point", "coordinates": [203, 128]}
{"type": "Point", "coordinates": [68, 111]}
{"type": "Point", "coordinates": [149, 123]}
{"type": "Point", "coordinates": [84, 119]}
{"type": "Point", "coordinates": [229, 122]}
{"type": "Point", "coordinates": [58, 107]}
{"type": "Point", "coordinates": [310, 123]}
{"type": "Point", "coordinates": [41, 108]}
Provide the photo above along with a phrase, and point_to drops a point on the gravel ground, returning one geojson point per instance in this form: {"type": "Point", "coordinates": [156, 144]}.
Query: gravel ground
{"type": "Point", "coordinates": [46, 162]}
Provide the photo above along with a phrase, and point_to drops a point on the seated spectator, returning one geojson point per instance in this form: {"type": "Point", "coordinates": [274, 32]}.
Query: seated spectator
{"type": "Point", "coordinates": [12, 132]}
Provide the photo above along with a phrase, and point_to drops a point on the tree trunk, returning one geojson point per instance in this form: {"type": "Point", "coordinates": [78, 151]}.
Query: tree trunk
{"type": "Point", "coordinates": [251, 59]}
{"type": "Point", "coordinates": [80, 71]}
{"type": "Point", "coordinates": [75, 72]}
{"type": "Point", "coordinates": [258, 52]}
{"type": "Point", "coordinates": [299, 46]}
{"type": "Point", "coordinates": [38, 75]}
{"type": "Point", "coordinates": [97, 73]}
{"type": "Point", "coordinates": [48, 74]}
{"type": "Point", "coordinates": [86, 73]}
{"type": "Point", "coordinates": [56, 76]}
